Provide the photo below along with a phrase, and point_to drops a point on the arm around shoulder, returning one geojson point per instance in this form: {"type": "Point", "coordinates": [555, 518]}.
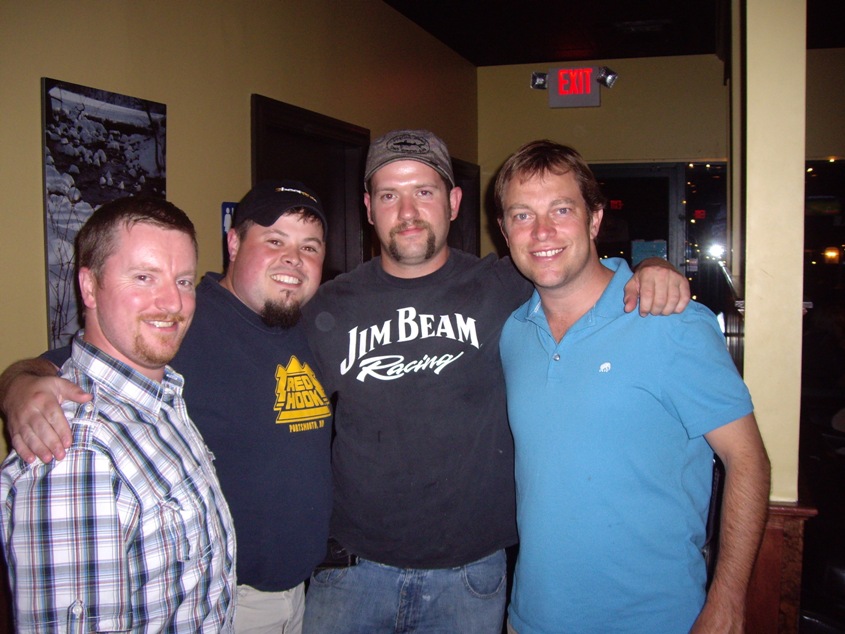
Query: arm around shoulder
{"type": "Point", "coordinates": [658, 287]}
{"type": "Point", "coordinates": [31, 396]}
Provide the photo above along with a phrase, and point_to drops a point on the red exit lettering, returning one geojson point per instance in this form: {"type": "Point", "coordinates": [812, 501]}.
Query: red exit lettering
{"type": "Point", "coordinates": [574, 81]}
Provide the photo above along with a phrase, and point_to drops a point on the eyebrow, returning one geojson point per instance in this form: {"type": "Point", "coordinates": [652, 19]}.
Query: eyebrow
{"type": "Point", "coordinates": [427, 185]}
{"type": "Point", "coordinates": [279, 232]}
{"type": "Point", "coordinates": [564, 201]}
{"type": "Point", "coordinates": [556, 202]}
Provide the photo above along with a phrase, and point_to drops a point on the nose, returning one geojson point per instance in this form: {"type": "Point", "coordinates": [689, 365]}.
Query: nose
{"type": "Point", "coordinates": [407, 209]}
{"type": "Point", "coordinates": [544, 228]}
{"type": "Point", "coordinates": [290, 255]}
{"type": "Point", "coordinates": [169, 298]}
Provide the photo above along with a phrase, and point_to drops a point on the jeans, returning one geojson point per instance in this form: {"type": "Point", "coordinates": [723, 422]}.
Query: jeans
{"type": "Point", "coordinates": [372, 598]}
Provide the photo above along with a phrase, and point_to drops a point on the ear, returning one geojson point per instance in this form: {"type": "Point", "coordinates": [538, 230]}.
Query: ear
{"type": "Point", "coordinates": [87, 287]}
{"type": "Point", "coordinates": [501, 222]}
{"type": "Point", "coordinates": [233, 242]}
{"type": "Point", "coordinates": [595, 223]}
{"type": "Point", "coordinates": [455, 201]}
{"type": "Point", "coordinates": [367, 203]}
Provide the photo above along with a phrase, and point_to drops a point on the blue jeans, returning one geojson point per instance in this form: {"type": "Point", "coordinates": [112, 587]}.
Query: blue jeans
{"type": "Point", "coordinates": [372, 598]}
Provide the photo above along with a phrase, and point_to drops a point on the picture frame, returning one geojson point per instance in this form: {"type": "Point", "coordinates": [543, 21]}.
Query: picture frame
{"type": "Point", "coordinates": [97, 146]}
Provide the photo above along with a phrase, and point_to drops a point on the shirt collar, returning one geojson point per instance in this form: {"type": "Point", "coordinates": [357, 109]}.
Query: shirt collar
{"type": "Point", "coordinates": [609, 304]}
{"type": "Point", "coordinates": [118, 377]}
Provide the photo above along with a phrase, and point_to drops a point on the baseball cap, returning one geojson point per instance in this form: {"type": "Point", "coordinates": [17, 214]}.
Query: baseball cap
{"type": "Point", "coordinates": [409, 145]}
{"type": "Point", "coordinates": [268, 200]}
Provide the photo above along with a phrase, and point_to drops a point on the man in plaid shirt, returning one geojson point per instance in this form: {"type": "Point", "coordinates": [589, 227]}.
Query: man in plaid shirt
{"type": "Point", "coordinates": [130, 531]}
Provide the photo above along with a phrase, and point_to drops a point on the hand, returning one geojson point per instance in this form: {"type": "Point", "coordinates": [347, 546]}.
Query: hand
{"type": "Point", "coordinates": [713, 620]}
{"type": "Point", "coordinates": [659, 287]}
{"type": "Point", "coordinates": [34, 417]}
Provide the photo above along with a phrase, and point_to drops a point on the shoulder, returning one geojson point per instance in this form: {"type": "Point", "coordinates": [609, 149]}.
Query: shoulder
{"type": "Point", "coordinates": [356, 281]}
{"type": "Point", "coordinates": [90, 459]}
{"type": "Point", "coordinates": [494, 272]}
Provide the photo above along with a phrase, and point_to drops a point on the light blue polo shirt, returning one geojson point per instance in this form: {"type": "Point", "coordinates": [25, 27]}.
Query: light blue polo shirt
{"type": "Point", "coordinates": [613, 474]}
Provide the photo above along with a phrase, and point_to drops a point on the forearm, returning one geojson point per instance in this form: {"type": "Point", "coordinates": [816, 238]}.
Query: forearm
{"type": "Point", "coordinates": [30, 367]}
{"type": "Point", "coordinates": [744, 512]}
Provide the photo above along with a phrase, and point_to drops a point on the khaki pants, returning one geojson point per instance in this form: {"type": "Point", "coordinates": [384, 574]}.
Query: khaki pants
{"type": "Point", "coordinates": [270, 612]}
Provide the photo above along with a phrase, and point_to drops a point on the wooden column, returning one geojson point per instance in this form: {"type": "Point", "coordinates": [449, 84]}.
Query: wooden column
{"type": "Point", "coordinates": [774, 595]}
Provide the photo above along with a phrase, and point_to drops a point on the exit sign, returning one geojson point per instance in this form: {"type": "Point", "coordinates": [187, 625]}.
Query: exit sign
{"type": "Point", "coordinates": [574, 87]}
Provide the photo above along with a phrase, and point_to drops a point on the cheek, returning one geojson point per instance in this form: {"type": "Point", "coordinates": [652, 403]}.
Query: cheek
{"type": "Point", "coordinates": [189, 303]}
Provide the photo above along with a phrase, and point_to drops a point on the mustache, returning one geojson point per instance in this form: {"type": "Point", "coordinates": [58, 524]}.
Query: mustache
{"type": "Point", "coordinates": [410, 224]}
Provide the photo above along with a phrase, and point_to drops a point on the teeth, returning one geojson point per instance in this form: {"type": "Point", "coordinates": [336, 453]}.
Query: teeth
{"type": "Point", "coordinates": [547, 254]}
{"type": "Point", "coordinates": [162, 324]}
{"type": "Point", "coordinates": [286, 279]}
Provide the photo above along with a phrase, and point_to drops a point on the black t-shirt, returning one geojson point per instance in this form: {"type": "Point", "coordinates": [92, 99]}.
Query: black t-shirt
{"type": "Point", "coordinates": [253, 394]}
{"type": "Point", "coordinates": [423, 456]}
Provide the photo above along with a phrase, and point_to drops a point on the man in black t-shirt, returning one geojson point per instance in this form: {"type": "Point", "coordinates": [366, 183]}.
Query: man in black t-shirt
{"type": "Point", "coordinates": [423, 457]}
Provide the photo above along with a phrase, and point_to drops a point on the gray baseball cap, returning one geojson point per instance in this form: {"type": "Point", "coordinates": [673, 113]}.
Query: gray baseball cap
{"type": "Point", "coordinates": [409, 145]}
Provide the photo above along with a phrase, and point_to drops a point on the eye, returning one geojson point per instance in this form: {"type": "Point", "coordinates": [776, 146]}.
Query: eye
{"type": "Point", "coordinates": [387, 197]}
{"type": "Point", "coordinates": [562, 211]}
{"type": "Point", "coordinates": [186, 284]}
{"type": "Point", "coordinates": [426, 193]}
{"type": "Point", "coordinates": [142, 277]}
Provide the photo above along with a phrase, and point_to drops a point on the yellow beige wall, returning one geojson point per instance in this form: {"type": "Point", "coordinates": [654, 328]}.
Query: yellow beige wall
{"type": "Point", "coordinates": [660, 109]}
{"type": "Point", "coordinates": [356, 60]}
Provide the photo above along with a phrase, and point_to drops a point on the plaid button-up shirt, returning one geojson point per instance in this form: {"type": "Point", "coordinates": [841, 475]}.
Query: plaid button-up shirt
{"type": "Point", "coordinates": [130, 531]}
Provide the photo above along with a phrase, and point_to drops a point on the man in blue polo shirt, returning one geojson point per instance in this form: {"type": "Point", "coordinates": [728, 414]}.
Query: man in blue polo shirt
{"type": "Point", "coordinates": [615, 421]}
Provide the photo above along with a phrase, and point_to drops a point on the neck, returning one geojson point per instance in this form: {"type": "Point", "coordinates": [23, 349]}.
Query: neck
{"type": "Point", "coordinates": [565, 305]}
{"type": "Point", "coordinates": [95, 337]}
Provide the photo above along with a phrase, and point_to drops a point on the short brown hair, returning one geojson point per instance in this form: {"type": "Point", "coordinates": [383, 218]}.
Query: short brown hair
{"type": "Point", "coordinates": [96, 241]}
{"type": "Point", "coordinates": [542, 157]}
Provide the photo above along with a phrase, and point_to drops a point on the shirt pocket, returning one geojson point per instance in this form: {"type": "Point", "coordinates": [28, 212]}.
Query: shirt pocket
{"type": "Point", "coordinates": [184, 515]}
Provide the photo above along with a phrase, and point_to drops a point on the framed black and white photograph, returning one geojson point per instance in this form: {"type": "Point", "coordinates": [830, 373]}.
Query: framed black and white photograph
{"type": "Point", "coordinates": [98, 146]}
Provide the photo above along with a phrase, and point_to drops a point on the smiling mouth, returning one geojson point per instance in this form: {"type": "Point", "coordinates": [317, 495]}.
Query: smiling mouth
{"type": "Point", "coordinates": [165, 324]}
{"type": "Point", "coordinates": [547, 254]}
{"type": "Point", "coordinates": [286, 279]}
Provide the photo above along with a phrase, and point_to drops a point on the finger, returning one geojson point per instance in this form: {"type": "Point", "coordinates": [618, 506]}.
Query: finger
{"type": "Point", "coordinates": [29, 445]}
{"type": "Point", "coordinates": [67, 391]}
{"type": "Point", "coordinates": [673, 298]}
{"type": "Point", "coordinates": [630, 298]}
{"type": "Point", "coordinates": [23, 449]}
{"type": "Point", "coordinates": [54, 431]}
{"type": "Point", "coordinates": [659, 298]}
{"type": "Point", "coordinates": [646, 298]}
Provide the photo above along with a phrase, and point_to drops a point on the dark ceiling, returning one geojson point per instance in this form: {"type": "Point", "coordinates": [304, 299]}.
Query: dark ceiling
{"type": "Point", "coordinates": [500, 32]}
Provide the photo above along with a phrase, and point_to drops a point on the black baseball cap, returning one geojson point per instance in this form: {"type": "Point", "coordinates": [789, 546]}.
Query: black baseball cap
{"type": "Point", "coordinates": [270, 199]}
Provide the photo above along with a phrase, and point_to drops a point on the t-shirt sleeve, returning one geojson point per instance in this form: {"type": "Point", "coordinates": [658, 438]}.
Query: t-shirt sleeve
{"type": "Point", "coordinates": [701, 383]}
{"type": "Point", "coordinates": [57, 356]}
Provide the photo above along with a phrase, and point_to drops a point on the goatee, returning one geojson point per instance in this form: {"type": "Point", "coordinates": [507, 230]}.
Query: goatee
{"type": "Point", "coordinates": [393, 247]}
{"type": "Point", "coordinates": [281, 315]}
